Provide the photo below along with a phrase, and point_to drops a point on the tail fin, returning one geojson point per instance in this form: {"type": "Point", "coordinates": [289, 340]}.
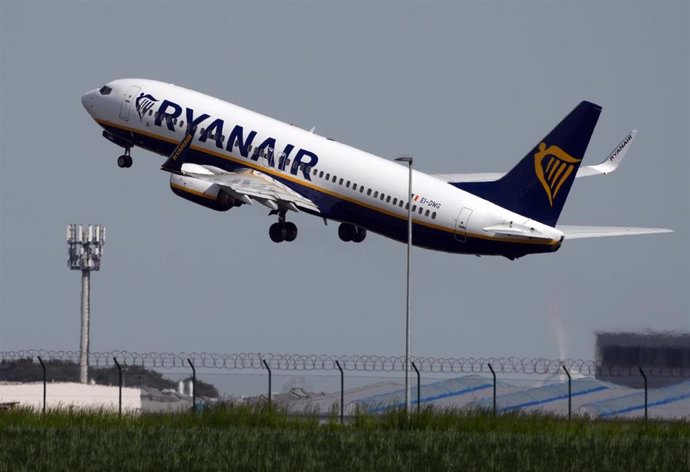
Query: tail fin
{"type": "Point", "coordinates": [538, 186]}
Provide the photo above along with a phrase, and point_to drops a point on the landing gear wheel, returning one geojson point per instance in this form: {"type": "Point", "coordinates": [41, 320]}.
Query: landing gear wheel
{"type": "Point", "coordinates": [346, 232]}
{"type": "Point", "coordinates": [360, 234]}
{"type": "Point", "coordinates": [278, 233]}
{"type": "Point", "coordinates": [125, 160]}
{"type": "Point", "coordinates": [291, 231]}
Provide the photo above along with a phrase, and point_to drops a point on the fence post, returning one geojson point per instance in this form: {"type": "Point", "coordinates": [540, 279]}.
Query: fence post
{"type": "Point", "coordinates": [570, 391]}
{"type": "Point", "coordinates": [419, 386]}
{"type": "Point", "coordinates": [644, 376]}
{"type": "Point", "coordinates": [43, 366]}
{"type": "Point", "coordinates": [342, 393]}
{"type": "Point", "coordinates": [191, 364]}
{"type": "Point", "coordinates": [269, 382]}
{"type": "Point", "coordinates": [494, 394]}
{"type": "Point", "coordinates": [119, 385]}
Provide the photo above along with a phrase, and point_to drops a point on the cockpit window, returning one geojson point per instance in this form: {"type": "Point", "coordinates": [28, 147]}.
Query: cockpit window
{"type": "Point", "coordinates": [105, 90]}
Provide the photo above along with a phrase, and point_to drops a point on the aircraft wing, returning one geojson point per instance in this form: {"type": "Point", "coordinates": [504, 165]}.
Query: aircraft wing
{"type": "Point", "coordinates": [251, 185]}
{"type": "Point", "coordinates": [607, 166]}
{"type": "Point", "coordinates": [579, 232]}
{"type": "Point", "coordinates": [247, 185]}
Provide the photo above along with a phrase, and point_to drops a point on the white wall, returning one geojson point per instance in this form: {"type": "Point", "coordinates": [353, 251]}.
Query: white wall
{"type": "Point", "coordinates": [71, 395]}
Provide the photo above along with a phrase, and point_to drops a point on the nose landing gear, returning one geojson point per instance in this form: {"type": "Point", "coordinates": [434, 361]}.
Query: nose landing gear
{"type": "Point", "coordinates": [282, 230]}
{"type": "Point", "coordinates": [125, 160]}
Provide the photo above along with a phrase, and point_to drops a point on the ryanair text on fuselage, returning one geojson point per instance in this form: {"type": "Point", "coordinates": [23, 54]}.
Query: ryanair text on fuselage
{"type": "Point", "coordinates": [168, 111]}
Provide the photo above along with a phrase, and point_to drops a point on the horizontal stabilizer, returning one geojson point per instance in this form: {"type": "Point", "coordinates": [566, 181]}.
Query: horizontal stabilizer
{"type": "Point", "coordinates": [607, 166]}
{"type": "Point", "coordinates": [579, 232]}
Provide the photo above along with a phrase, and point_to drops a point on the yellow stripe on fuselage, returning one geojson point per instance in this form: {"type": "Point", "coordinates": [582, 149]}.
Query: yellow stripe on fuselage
{"type": "Point", "coordinates": [309, 184]}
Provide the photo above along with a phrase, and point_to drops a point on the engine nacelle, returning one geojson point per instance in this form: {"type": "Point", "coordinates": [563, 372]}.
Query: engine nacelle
{"type": "Point", "coordinates": [202, 193]}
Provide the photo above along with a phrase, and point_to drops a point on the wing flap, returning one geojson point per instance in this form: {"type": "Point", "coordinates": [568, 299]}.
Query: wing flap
{"type": "Point", "coordinates": [254, 185]}
{"type": "Point", "coordinates": [581, 232]}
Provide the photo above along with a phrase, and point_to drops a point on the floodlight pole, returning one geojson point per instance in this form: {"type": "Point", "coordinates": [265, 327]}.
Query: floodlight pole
{"type": "Point", "coordinates": [85, 252]}
{"type": "Point", "coordinates": [409, 161]}
{"type": "Point", "coordinates": [85, 312]}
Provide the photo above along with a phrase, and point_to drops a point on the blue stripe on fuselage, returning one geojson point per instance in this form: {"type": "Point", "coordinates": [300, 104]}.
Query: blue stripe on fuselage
{"type": "Point", "coordinates": [334, 208]}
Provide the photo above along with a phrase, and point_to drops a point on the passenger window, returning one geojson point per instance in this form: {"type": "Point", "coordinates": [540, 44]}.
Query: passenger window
{"type": "Point", "coordinates": [388, 199]}
{"type": "Point", "coordinates": [407, 206]}
{"type": "Point", "coordinates": [400, 203]}
{"type": "Point", "coordinates": [150, 112]}
{"type": "Point", "coordinates": [347, 184]}
{"type": "Point", "coordinates": [361, 189]}
{"type": "Point", "coordinates": [426, 213]}
{"type": "Point", "coordinates": [383, 196]}
{"type": "Point", "coordinates": [334, 178]}
{"type": "Point", "coordinates": [421, 210]}
{"type": "Point", "coordinates": [433, 215]}
{"type": "Point", "coordinates": [354, 186]}
{"type": "Point", "coordinates": [328, 176]}
{"type": "Point", "coordinates": [321, 174]}
{"type": "Point", "coordinates": [181, 123]}
{"type": "Point", "coordinates": [341, 182]}
{"type": "Point", "coordinates": [376, 194]}
{"type": "Point", "coordinates": [395, 201]}
{"type": "Point", "coordinates": [174, 121]}
{"type": "Point", "coordinates": [368, 191]}
{"type": "Point", "coordinates": [414, 208]}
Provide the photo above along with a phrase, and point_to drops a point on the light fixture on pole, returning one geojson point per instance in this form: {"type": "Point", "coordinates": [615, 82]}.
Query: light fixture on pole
{"type": "Point", "coordinates": [85, 252]}
{"type": "Point", "coordinates": [409, 161]}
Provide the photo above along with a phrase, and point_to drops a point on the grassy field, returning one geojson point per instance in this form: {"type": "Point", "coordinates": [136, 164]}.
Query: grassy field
{"type": "Point", "coordinates": [240, 438]}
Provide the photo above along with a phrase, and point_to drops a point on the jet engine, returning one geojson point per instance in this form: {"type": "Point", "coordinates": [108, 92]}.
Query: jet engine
{"type": "Point", "coordinates": [202, 193]}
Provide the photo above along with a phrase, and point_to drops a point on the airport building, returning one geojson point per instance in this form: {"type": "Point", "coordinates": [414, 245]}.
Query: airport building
{"type": "Point", "coordinates": [663, 357]}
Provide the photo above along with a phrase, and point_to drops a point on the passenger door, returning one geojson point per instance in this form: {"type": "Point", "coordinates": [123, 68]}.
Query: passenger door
{"type": "Point", "coordinates": [127, 102]}
{"type": "Point", "coordinates": [461, 224]}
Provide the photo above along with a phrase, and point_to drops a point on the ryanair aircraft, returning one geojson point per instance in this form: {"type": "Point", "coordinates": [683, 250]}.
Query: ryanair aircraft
{"type": "Point", "coordinates": [221, 156]}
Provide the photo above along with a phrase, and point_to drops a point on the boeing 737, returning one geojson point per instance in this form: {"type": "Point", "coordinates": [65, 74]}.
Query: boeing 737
{"type": "Point", "coordinates": [222, 156]}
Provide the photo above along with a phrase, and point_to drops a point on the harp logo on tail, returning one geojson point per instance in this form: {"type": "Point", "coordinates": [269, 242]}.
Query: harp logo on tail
{"type": "Point", "coordinates": [553, 167]}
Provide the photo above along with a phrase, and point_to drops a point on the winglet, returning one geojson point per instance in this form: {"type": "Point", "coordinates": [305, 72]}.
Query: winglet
{"type": "Point", "coordinates": [176, 158]}
{"type": "Point", "coordinates": [613, 160]}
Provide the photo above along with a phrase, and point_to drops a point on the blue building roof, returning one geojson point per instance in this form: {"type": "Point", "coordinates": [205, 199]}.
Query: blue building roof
{"type": "Point", "coordinates": [452, 388]}
{"type": "Point", "coordinates": [541, 396]}
{"type": "Point", "coordinates": [672, 395]}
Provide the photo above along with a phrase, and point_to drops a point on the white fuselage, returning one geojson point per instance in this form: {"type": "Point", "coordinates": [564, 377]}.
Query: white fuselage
{"type": "Point", "coordinates": [345, 183]}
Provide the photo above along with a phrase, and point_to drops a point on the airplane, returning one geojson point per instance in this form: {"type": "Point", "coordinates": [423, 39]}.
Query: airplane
{"type": "Point", "coordinates": [222, 156]}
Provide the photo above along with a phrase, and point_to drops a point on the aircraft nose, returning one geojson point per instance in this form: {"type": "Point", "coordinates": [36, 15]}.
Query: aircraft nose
{"type": "Point", "coordinates": [87, 100]}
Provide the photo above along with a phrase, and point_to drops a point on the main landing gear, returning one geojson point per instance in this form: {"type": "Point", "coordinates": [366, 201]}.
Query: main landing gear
{"type": "Point", "coordinates": [282, 230]}
{"type": "Point", "coordinates": [348, 232]}
{"type": "Point", "coordinates": [125, 160]}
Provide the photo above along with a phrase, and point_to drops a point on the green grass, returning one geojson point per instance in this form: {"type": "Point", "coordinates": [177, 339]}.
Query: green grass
{"type": "Point", "coordinates": [244, 438]}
